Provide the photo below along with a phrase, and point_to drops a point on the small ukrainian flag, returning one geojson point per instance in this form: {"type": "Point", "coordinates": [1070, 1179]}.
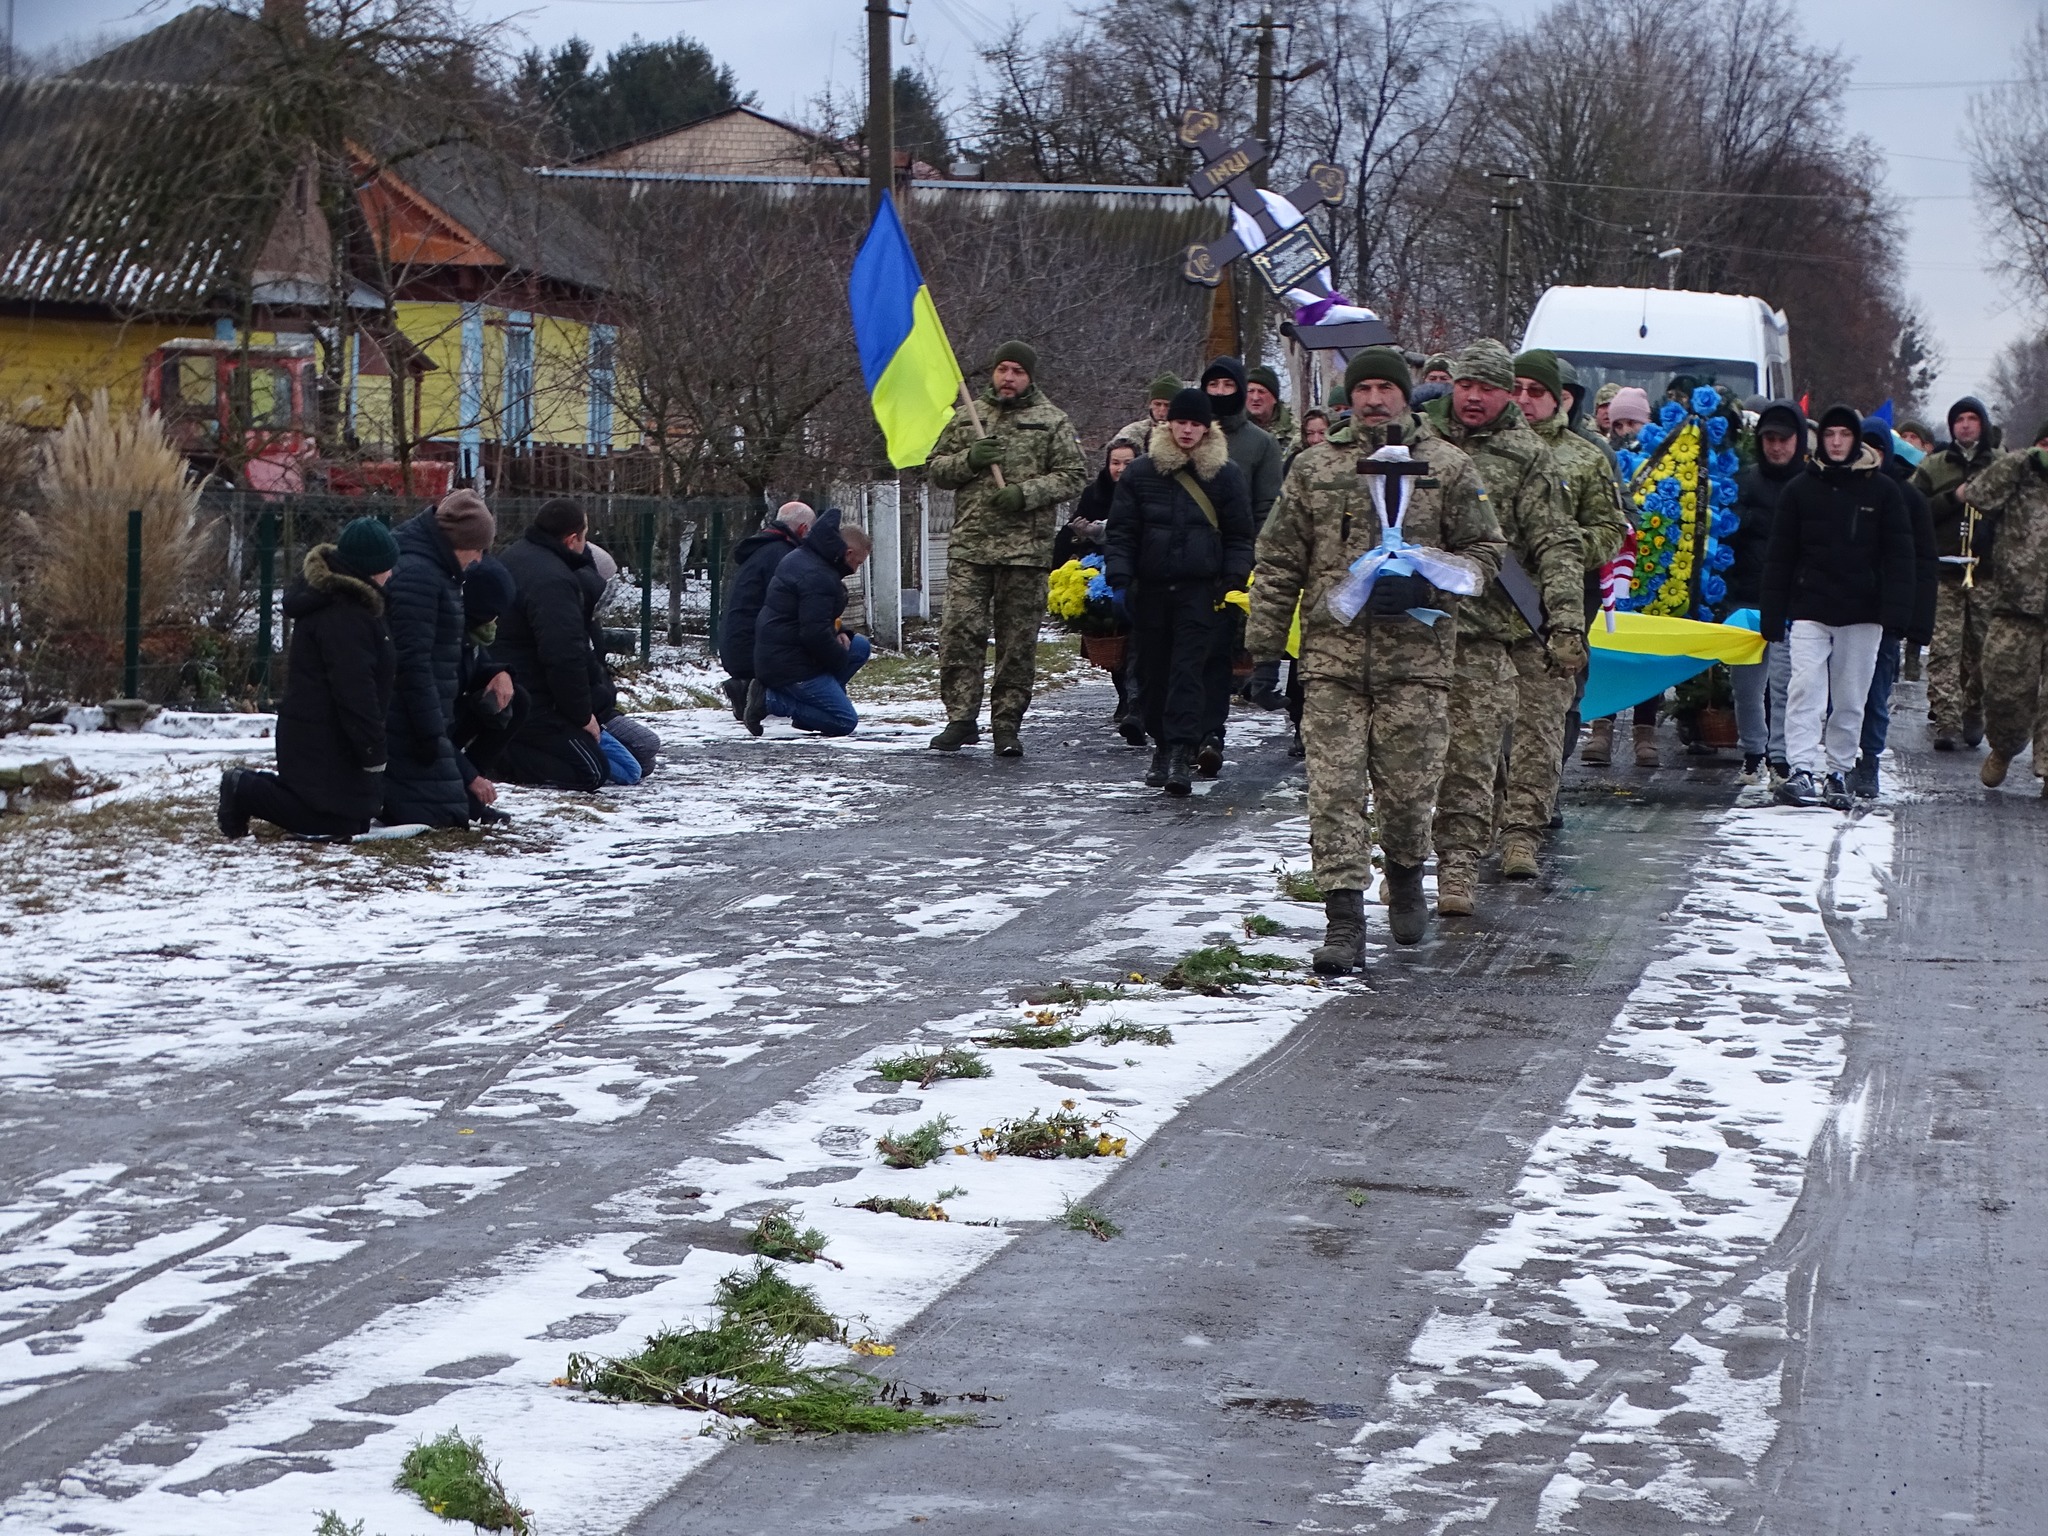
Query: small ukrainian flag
{"type": "Point", "coordinates": [912, 377]}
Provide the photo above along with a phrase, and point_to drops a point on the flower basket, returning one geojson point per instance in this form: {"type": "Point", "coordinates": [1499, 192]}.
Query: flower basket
{"type": "Point", "coordinates": [1106, 651]}
{"type": "Point", "coordinates": [1714, 726]}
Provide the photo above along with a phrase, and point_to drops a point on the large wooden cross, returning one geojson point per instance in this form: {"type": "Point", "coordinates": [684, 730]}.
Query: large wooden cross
{"type": "Point", "coordinates": [1291, 257]}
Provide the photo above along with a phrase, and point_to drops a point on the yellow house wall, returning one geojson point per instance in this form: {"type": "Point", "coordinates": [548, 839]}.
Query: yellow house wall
{"type": "Point", "coordinates": [561, 393]}
{"type": "Point", "coordinates": [59, 361]}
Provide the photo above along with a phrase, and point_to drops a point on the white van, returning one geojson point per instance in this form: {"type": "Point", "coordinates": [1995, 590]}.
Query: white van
{"type": "Point", "coordinates": [1649, 336]}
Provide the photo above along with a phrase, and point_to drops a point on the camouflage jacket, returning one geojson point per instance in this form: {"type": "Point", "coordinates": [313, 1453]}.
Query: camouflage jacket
{"type": "Point", "coordinates": [1283, 428]}
{"type": "Point", "coordinates": [1040, 454]}
{"type": "Point", "coordinates": [1522, 482]}
{"type": "Point", "coordinates": [1138, 434]}
{"type": "Point", "coordinates": [1939, 477]}
{"type": "Point", "coordinates": [1592, 490]}
{"type": "Point", "coordinates": [1324, 520]}
{"type": "Point", "coordinates": [2013, 490]}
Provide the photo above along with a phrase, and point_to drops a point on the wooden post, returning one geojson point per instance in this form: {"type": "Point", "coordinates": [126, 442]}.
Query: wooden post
{"type": "Point", "coordinates": [266, 584]}
{"type": "Point", "coordinates": [885, 564]}
{"type": "Point", "coordinates": [131, 657]}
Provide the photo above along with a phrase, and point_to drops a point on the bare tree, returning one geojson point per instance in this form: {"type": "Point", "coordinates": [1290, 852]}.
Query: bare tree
{"type": "Point", "coordinates": [2007, 140]}
{"type": "Point", "coordinates": [2019, 387]}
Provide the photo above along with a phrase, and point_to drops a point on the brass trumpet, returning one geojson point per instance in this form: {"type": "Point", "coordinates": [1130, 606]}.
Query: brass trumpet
{"type": "Point", "coordinates": [1969, 546]}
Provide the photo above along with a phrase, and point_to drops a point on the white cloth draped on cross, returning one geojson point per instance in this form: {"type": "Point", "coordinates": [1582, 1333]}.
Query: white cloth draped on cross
{"type": "Point", "coordinates": [1396, 556]}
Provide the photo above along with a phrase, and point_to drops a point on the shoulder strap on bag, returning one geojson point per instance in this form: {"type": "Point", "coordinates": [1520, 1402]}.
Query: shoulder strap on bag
{"type": "Point", "coordinates": [1193, 487]}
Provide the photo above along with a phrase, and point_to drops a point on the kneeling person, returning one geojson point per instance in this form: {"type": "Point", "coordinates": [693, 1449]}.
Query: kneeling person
{"type": "Point", "coordinates": [331, 721]}
{"type": "Point", "coordinates": [801, 656]}
{"type": "Point", "coordinates": [1179, 537]}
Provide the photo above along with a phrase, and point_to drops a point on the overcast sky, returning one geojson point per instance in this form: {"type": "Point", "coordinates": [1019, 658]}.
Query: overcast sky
{"type": "Point", "coordinates": [786, 50]}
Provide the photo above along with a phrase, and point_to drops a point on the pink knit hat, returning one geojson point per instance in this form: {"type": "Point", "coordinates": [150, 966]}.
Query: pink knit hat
{"type": "Point", "coordinates": [1629, 405]}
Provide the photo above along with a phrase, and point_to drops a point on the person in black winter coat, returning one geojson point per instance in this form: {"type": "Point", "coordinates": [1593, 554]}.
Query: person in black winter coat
{"type": "Point", "coordinates": [1081, 536]}
{"type": "Point", "coordinates": [544, 638]}
{"type": "Point", "coordinates": [1877, 709]}
{"type": "Point", "coordinates": [753, 561]}
{"type": "Point", "coordinates": [1175, 558]}
{"type": "Point", "coordinates": [1840, 572]}
{"type": "Point", "coordinates": [491, 706]}
{"type": "Point", "coordinates": [802, 658]}
{"type": "Point", "coordinates": [1781, 459]}
{"type": "Point", "coordinates": [338, 687]}
{"type": "Point", "coordinates": [429, 782]}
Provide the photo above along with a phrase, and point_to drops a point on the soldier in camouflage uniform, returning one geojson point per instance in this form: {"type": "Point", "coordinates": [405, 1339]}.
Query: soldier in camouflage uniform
{"type": "Point", "coordinates": [1002, 544]}
{"type": "Point", "coordinates": [1139, 433]}
{"type": "Point", "coordinates": [1955, 685]}
{"type": "Point", "coordinates": [2013, 493]}
{"type": "Point", "coordinates": [1377, 706]}
{"type": "Point", "coordinates": [1278, 420]}
{"type": "Point", "coordinates": [1497, 648]}
{"type": "Point", "coordinates": [1545, 701]}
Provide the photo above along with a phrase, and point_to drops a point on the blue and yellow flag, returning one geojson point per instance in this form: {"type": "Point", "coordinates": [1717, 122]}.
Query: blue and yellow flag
{"type": "Point", "coordinates": [912, 377]}
{"type": "Point", "coordinates": [1646, 653]}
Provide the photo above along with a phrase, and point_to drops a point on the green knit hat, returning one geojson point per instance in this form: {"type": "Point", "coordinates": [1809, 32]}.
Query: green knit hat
{"type": "Point", "coordinates": [1266, 376]}
{"type": "Point", "coordinates": [1378, 363]}
{"type": "Point", "coordinates": [1485, 361]}
{"type": "Point", "coordinates": [366, 547]}
{"type": "Point", "coordinates": [1540, 364]}
{"type": "Point", "coordinates": [1339, 398]}
{"type": "Point", "coordinates": [1022, 353]}
{"type": "Point", "coordinates": [1165, 387]}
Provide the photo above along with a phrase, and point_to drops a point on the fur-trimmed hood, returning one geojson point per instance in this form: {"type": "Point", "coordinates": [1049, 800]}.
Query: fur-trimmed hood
{"type": "Point", "coordinates": [1210, 454]}
{"type": "Point", "coordinates": [324, 578]}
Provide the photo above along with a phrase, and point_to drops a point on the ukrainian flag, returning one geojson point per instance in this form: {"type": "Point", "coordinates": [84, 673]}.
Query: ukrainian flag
{"type": "Point", "coordinates": [1644, 653]}
{"type": "Point", "coordinates": [912, 377]}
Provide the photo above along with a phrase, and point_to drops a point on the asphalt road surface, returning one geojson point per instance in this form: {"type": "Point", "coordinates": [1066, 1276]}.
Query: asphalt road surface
{"type": "Point", "coordinates": [1694, 1187]}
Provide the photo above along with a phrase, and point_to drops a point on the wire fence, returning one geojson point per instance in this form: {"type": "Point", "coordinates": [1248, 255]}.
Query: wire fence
{"type": "Point", "coordinates": [225, 643]}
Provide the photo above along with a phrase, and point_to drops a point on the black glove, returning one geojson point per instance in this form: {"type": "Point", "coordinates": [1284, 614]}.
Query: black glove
{"type": "Point", "coordinates": [1397, 594]}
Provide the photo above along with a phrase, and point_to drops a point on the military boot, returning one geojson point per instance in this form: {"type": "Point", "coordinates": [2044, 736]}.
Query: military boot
{"type": "Point", "coordinates": [1407, 907]}
{"type": "Point", "coordinates": [957, 734]}
{"type": "Point", "coordinates": [1007, 744]}
{"type": "Point", "coordinates": [1155, 776]}
{"type": "Point", "coordinates": [1993, 770]}
{"type": "Point", "coordinates": [1180, 770]}
{"type": "Point", "coordinates": [755, 709]}
{"type": "Point", "coordinates": [1456, 876]}
{"type": "Point", "coordinates": [1343, 935]}
{"type": "Point", "coordinates": [1599, 748]}
{"type": "Point", "coordinates": [1518, 857]}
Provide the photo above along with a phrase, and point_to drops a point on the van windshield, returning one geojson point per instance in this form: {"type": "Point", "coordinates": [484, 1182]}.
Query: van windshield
{"type": "Point", "coordinates": [1653, 375]}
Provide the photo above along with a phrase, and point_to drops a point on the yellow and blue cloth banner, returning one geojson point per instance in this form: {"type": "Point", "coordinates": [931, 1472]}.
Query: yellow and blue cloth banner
{"type": "Point", "coordinates": [912, 376]}
{"type": "Point", "coordinates": [1643, 654]}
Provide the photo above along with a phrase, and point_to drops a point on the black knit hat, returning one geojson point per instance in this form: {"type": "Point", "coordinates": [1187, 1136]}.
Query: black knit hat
{"type": "Point", "coordinates": [1192, 405]}
{"type": "Point", "coordinates": [1378, 363]}
{"type": "Point", "coordinates": [1022, 353]}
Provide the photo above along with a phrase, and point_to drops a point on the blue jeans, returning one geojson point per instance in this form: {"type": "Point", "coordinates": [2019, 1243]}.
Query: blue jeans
{"type": "Point", "coordinates": [1877, 710]}
{"type": "Point", "coordinates": [820, 703]}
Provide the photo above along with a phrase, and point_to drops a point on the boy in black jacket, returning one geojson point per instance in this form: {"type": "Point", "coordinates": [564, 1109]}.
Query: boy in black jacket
{"type": "Point", "coordinates": [1180, 535]}
{"type": "Point", "coordinates": [1840, 572]}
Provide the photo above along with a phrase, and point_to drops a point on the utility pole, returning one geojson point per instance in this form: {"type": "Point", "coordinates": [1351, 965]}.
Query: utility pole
{"type": "Point", "coordinates": [1262, 130]}
{"type": "Point", "coordinates": [881, 105]}
{"type": "Point", "coordinates": [1647, 245]}
{"type": "Point", "coordinates": [1507, 205]}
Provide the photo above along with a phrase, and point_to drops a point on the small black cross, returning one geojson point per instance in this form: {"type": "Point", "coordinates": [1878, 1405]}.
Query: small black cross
{"type": "Point", "coordinates": [1394, 471]}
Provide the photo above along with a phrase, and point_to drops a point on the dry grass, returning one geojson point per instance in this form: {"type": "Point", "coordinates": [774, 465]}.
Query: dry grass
{"type": "Point", "coordinates": [95, 470]}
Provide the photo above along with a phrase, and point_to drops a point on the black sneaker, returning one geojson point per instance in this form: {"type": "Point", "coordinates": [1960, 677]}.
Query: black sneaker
{"type": "Point", "coordinates": [1799, 789]}
{"type": "Point", "coordinates": [1836, 791]}
{"type": "Point", "coordinates": [1863, 779]}
{"type": "Point", "coordinates": [228, 814]}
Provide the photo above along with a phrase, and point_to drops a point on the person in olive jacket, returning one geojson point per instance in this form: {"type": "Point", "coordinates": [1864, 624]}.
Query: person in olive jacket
{"type": "Point", "coordinates": [430, 783]}
{"type": "Point", "coordinates": [338, 687]}
{"type": "Point", "coordinates": [1840, 573]}
{"type": "Point", "coordinates": [544, 638]}
{"type": "Point", "coordinates": [1180, 535]}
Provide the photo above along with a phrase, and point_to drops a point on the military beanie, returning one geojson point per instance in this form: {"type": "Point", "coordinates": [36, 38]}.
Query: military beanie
{"type": "Point", "coordinates": [1486, 361]}
{"type": "Point", "coordinates": [1378, 363]}
{"type": "Point", "coordinates": [1266, 376]}
{"type": "Point", "coordinates": [1607, 393]}
{"type": "Point", "coordinates": [1540, 364]}
{"type": "Point", "coordinates": [1438, 363]}
{"type": "Point", "coordinates": [1165, 387]}
{"type": "Point", "coordinates": [1022, 353]}
{"type": "Point", "coordinates": [366, 547]}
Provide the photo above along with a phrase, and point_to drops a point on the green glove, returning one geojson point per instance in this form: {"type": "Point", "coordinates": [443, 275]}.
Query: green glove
{"type": "Point", "coordinates": [982, 452]}
{"type": "Point", "coordinates": [1009, 499]}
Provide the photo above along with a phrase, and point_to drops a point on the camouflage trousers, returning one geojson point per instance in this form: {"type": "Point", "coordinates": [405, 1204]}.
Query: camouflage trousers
{"type": "Point", "coordinates": [2015, 708]}
{"type": "Point", "coordinates": [1389, 740]}
{"type": "Point", "coordinates": [1955, 681]}
{"type": "Point", "coordinates": [1482, 708]}
{"type": "Point", "coordinates": [1543, 698]}
{"type": "Point", "coordinates": [1008, 600]}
